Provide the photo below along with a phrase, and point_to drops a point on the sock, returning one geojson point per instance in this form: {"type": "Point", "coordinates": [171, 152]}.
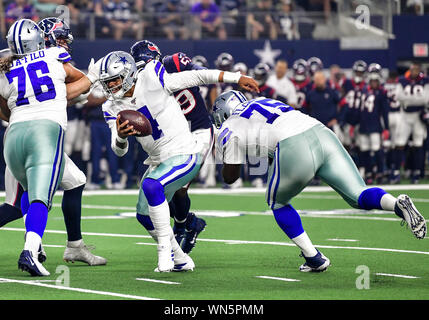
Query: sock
{"type": "Point", "coordinates": [364, 161]}
{"type": "Point", "coordinates": [37, 218]}
{"type": "Point", "coordinates": [178, 252]}
{"type": "Point", "coordinates": [417, 160]}
{"type": "Point", "coordinates": [72, 211]}
{"type": "Point", "coordinates": [398, 156]}
{"type": "Point", "coordinates": [159, 212]}
{"type": "Point", "coordinates": [25, 204]}
{"type": "Point", "coordinates": [74, 243]}
{"type": "Point", "coordinates": [388, 202]}
{"type": "Point", "coordinates": [147, 224]}
{"type": "Point", "coordinates": [304, 243]}
{"type": "Point", "coordinates": [289, 221]}
{"type": "Point", "coordinates": [371, 198]}
{"type": "Point", "coordinates": [182, 205]}
{"type": "Point", "coordinates": [32, 241]}
{"type": "Point", "coordinates": [8, 214]}
{"type": "Point", "coordinates": [379, 160]}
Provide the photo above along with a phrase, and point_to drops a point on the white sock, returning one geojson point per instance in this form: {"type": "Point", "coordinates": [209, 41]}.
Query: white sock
{"type": "Point", "coordinates": [387, 202]}
{"type": "Point", "coordinates": [304, 243]}
{"type": "Point", "coordinates": [32, 241]}
{"type": "Point", "coordinates": [160, 217]}
{"type": "Point", "coordinates": [74, 244]}
{"type": "Point", "coordinates": [24, 217]}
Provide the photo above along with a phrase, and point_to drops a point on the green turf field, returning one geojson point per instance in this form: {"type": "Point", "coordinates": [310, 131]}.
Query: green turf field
{"type": "Point", "coordinates": [241, 255]}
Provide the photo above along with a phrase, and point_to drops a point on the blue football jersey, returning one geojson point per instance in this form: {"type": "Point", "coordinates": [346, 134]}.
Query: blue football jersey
{"type": "Point", "coordinates": [413, 88]}
{"type": "Point", "coordinates": [190, 100]}
{"type": "Point", "coordinates": [374, 111]}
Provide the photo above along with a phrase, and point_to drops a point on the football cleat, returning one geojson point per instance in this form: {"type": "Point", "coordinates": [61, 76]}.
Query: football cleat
{"type": "Point", "coordinates": [194, 226]}
{"type": "Point", "coordinates": [184, 264]}
{"type": "Point", "coordinates": [82, 253]}
{"type": "Point", "coordinates": [41, 254]}
{"type": "Point", "coordinates": [26, 262]}
{"type": "Point", "coordinates": [318, 263]}
{"type": "Point", "coordinates": [165, 257]}
{"type": "Point", "coordinates": [179, 233]}
{"type": "Point", "coordinates": [404, 207]}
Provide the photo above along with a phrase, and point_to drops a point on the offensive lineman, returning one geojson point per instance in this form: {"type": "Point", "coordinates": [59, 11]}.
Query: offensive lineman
{"type": "Point", "coordinates": [37, 121]}
{"type": "Point", "coordinates": [56, 33]}
{"type": "Point", "coordinates": [174, 154]}
{"type": "Point", "coordinates": [299, 148]}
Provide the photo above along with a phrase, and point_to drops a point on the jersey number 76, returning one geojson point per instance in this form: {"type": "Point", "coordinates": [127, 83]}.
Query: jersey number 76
{"type": "Point", "coordinates": [36, 82]}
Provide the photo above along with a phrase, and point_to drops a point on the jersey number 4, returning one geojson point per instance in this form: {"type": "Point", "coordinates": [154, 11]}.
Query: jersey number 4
{"type": "Point", "coordinates": [37, 82]}
{"type": "Point", "coordinates": [156, 131]}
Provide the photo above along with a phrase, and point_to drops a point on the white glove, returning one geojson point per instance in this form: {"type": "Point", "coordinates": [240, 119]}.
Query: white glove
{"type": "Point", "coordinates": [94, 70]}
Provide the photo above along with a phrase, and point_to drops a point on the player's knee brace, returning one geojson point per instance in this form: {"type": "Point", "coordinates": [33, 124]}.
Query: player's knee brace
{"type": "Point", "coordinates": [145, 221]}
{"type": "Point", "coordinates": [371, 198]}
{"type": "Point", "coordinates": [154, 191]}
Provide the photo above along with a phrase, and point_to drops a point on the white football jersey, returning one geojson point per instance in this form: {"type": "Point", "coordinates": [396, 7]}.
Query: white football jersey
{"type": "Point", "coordinates": [255, 128]}
{"type": "Point", "coordinates": [35, 86]}
{"type": "Point", "coordinates": [170, 131]}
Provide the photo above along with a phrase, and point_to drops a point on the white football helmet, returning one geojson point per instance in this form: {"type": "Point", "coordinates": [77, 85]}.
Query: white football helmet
{"type": "Point", "coordinates": [24, 37]}
{"type": "Point", "coordinates": [225, 105]}
{"type": "Point", "coordinates": [118, 64]}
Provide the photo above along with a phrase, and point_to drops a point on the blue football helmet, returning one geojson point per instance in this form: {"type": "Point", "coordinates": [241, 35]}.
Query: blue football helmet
{"type": "Point", "coordinates": [224, 61]}
{"type": "Point", "coordinates": [56, 29]}
{"type": "Point", "coordinates": [200, 61]}
{"type": "Point", "coordinates": [299, 69]}
{"type": "Point", "coordinates": [314, 65]}
{"type": "Point", "coordinates": [374, 72]}
{"type": "Point", "coordinates": [261, 73]}
{"type": "Point", "coordinates": [359, 69]}
{"type": "Point", "coordinates": [144, 51]}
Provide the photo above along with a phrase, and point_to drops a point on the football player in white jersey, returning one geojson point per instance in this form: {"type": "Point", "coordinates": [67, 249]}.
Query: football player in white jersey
{"type": "Point", "coordinates": [34, 97]}
{"type": "Point", "coordinates": [56, 33]}
{"type": "Point", "coordinates": [299, 148]}
{"type": "Point", "coordinates": [174, 155]}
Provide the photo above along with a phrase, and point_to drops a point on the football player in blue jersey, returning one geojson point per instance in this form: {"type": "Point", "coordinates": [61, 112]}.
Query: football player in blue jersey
{"type": "Point", "coordinates": [412, 92]}
{"type": "Point", "coordinates": [373, 126]}
{"type": "Point", "coordinates": [301, 81]}
{"type": "Point", "coordinates": [186, 225]}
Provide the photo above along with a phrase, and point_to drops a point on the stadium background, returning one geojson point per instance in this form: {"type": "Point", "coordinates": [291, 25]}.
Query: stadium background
{"type": "Point", "coordinates": [389, 32]}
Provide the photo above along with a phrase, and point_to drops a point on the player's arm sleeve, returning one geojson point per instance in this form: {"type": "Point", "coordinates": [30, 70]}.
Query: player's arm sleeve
{"type": "Point", "coordinates": [62, 55]}
{"type": "Point", "coordinates": [118, 145]}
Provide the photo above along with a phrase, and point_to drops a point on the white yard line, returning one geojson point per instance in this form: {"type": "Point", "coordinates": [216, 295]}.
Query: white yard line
{"type": "Point", "coordinates": [287, 244]}
{"type": "Point", "coordinates": [147, 243]}
{"type": "Point", "coordinates": [280, 279]}
{"type": "Point", "coordinates": [344, 240]}
{"type": "Point", "coordinates": [157, 281]}
{"type": "Point", "coordinates": [103, 293]}
{"type": "Point", "coordinates": [53, 246]}
{"type": "Point", "coordinates": [396, 275]}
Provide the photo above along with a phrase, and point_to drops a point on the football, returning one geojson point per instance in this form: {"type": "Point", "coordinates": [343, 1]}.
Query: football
{"type": "Point", "coordinates": [137, 120]}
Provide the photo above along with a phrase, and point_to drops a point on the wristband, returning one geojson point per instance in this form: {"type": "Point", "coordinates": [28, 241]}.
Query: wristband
{"type": "Point", "coordinates": [231, 77]}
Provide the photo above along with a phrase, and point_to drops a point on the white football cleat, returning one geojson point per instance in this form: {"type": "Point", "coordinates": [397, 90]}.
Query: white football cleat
{"type": "Point", "coordinates": [184, 264]}
{"type": "Point", "coordinates": [165, 256]}
{"type": "Point", "coordinates": [417, 223]}
{"type": "Point", "coordinates": [82, 253]}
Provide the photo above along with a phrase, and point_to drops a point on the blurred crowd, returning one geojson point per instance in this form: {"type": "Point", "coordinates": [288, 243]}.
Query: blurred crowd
{"type": "Point", "coordinates": [190, 19]}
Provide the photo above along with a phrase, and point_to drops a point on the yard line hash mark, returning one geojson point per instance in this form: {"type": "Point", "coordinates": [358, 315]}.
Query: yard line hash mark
{"type": "Point", "coordinates": [396, 275]}
{"type": "Point", "coordinates": [276, 278]}
{"type": "Point", "coordinates": [157, 281]}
